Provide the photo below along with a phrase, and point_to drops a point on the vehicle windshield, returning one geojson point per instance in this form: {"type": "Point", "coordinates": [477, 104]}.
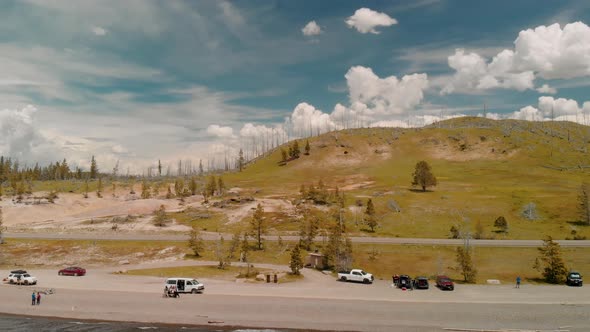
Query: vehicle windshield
{"type": "Point", "coordinates": [363, 272]}
{"type": "Point", "coordinates": [574, 275]}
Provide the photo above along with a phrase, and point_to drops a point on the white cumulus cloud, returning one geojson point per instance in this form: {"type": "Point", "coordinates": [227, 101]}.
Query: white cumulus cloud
{"type": "Point", "coordinates": [307, 120]}
{"type": "Point", "coordinates": [311, 29]}
{"type": "Point", "coordinates": [219, 131]}
{"type": "Point", "coordinates": [546, 89]}
{"type": "Point", "coordinates": [366, 20]}
{"type": "Point", "coordinates": [549, 52]}
{"type": "Point", "coordinates": [559, 109]}
{"type": "Point", "coordinates": [388, 95]}
{"type": "Point", "coordinates": [119, 149]}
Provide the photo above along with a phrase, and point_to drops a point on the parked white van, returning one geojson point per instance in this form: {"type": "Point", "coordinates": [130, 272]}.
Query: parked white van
{"type": "Point", "coordinates": [185, 285]}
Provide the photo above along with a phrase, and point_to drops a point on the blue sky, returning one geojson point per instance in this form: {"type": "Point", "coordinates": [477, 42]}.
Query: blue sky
{"type": "Point", "coordinates": [138, 81]}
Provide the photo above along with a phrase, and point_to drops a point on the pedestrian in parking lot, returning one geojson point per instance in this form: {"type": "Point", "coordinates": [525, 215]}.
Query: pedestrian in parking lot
{"type": "Point", "coordinates": [38, 298]}
{"type": "Point", "coordinates": [33, 298]}
{"type": "Point", "coordinates": [518, 282]}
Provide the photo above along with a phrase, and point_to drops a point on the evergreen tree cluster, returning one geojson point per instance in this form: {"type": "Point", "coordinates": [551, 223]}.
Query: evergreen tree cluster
{"type": "Point", "coordinates": [12, 171]}
{"type": "Point", "coordinates": [321, 194]}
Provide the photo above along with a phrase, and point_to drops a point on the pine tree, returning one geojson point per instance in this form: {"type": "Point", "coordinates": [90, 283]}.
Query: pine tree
{"type": "Point", "coordinates": [244, 249]}
{"type": "Point", "coordinates": [200, 167]}
{"type": "Point", "coordinates": [219, 253]}
{"type": "Point", "coordinates": [284, 155]}
{"type": "Point", "coordinates": [193, 186]}
{"type": "Point", "coordinates": [114, 189]}
{"type": "Point", "coordinates": [309, 230]}
{"type": "Point", "coordinates": [220, 186]}
{"type": "Point", "coordinates": [241, 160]}
{"type": "Point", "coordinates": [307, 148]}
{"type": "Point", "coordinates": [0, 187]}
{"type": "Point", "coordinates": [553, 268]}
{"type": "Point", "coordinates": [169, 194]}
{"type": "Point", "coordinates": [99, 188]}
{"type": "Point", "coordinates": [160, 218]}
{"type": "Point", "coordinates": [93, 168]}
{"type": "Point", "coordinates": [179, 187]}
{"type": "Point", "coordinates": [371, 220]}
{"type": "Point", "coordinates": [584, 203]}
{"type": "Point", "coordinates": [478, 230]}
{"type": "Point", "coordinates": [501, 224]}
{"type": "Point", "coordinates": [195, 241]}
{"type": "Point", "coordinates": [159, 168]}
{"type": "Point", "coordinates": [423, 176]}
{"type": "Point", "coordinates": [234, 244]}
{"type": "Point", "coordinates": [145, 189]}
{"type": "Point", "coordinates": [211, 186]}
{"type": "Point", "coordinates": [465, 265]}
{"type": "Point", "coordinates": [258, 225]}
{"type": "Point", "coordinates": [296, 263]}
{"type": "Point", "coordinates": [338, 253]}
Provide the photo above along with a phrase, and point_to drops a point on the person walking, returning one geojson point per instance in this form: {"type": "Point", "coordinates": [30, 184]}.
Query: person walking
{"type": "Point", "coordinates": [38, 298]}
{"type": "Point", "coordinates": [518, 282]}
{"type": "Point", "coordinates": [33, 298]}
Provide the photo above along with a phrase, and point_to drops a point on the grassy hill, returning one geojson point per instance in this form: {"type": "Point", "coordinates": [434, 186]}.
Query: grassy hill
{"type": "Point", "coordinates": [485, 169]}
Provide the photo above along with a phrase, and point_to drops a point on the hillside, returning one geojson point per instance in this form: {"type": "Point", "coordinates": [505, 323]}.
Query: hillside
{"type": "Point", "coordinates": [485, 169]}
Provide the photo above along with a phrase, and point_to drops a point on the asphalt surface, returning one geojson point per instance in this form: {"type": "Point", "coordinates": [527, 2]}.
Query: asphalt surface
{"type": "Point", "coordinates": [318, 302]}
{"type": "Point", "coordinates": [215, 236]}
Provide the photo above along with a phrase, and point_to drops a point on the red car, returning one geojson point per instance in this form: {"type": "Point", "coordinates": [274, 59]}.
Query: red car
{"type": "Point", "coordinates": [444, 282]}
{"type": "Point", "coordinates": [72, 271]}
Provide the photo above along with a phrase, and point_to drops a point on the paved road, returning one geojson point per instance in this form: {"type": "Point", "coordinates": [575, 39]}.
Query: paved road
{"type": "Point", "coordinates": [317, 302]}
{"type": "Point", "coordinates": [215, 236]}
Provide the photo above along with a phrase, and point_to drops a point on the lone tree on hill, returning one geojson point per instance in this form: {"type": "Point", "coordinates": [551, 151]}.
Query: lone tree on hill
{"type": "Point", "coordinates": [550, 261]}
{"type": "Point", "coordinates": [371, 220]}
{"type": "Point", "coordinates": [423, 176]}
{"type": "Point", "coordinates": [258, 226]}
{"type": "Point", "coordinates": [195, 242]}
{"type": "Point", "coordinates": [465, 265]}
{"type": "Point", "coordinates": [296, 263]}
{"type": "Point", "coordinates": [501, 224]}
{"type": "Point", "coordinates": [307, 148]}
{"type": "Point", "coordinates": [93, 168]}
{"type": "Point", "coordinates": [192, 186]}
{"type": "Point", "coordinates": [584, 203]}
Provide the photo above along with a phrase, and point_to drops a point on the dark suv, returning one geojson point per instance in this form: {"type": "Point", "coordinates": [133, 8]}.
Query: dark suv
{"type": "Point", "coordinates": [404, 281]}
{"type": "Point", "coordinates": [444, 282]}
{"type": "Point", "coordinates": [574, 279]}
{"type": "Point", "coordinates": [421, 283]}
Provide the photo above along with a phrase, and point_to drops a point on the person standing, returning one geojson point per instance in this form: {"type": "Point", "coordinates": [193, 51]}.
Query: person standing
{"type": "Point", "coordinates": [33, 298]}
{"type": "Point", "coordinates": [518, 282]}
{"type": "Point", "coordinates": [38, 298]}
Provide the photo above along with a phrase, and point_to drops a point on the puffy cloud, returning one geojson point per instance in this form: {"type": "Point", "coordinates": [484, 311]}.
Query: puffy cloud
{"type": "Point", "coordinates": [218, 131]}
{"type": "Point", "coordinates": [311, 29]}
{"type": "Point", "coordinates": [554, 52]}
{"type": "Point", "coordinates": [557, 107]}
{"type": "Point", "coordinates": [526, 113]}
{"type": "Point", "coordinates": [384, 95]}
{"type": "Point", "coordinates": [546, 89]}
{"type": "Point", "coordinates": [99, 31]}
{"type": "Point", "coordinates": [473, 73]}
{"type": "Point", "coordinates": [549, 52]}
{"type": "Point", "coordinates": [308, 120]}
{"type": "Point", "coordinates": [366, 20]}
{"type": "Point", "coordinates": [19, 136]}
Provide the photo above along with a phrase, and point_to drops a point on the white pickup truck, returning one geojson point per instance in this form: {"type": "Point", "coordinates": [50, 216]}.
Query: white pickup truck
{"type": "Point", "coordinates": [356, 275]}
{"type": "Point", "coordinates": [21, 277]}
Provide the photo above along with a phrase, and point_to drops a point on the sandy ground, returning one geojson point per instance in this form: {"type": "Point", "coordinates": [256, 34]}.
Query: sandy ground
{"type": "Point", "coordinates": [317, 302]}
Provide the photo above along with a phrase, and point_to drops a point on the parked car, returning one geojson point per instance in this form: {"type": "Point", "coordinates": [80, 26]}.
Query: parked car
{"type": "Point", "coordinates": [421, 283]}
{"type": "Point", "coordinates": [444, 283]}
{"type": "Point", "coordinates": [356, 275]}
{"type": "Point", "coordinates": [21, 277]}
{"type": "Point", "coordinates": [72, 271]}
{"type": "Point", "coordinates": [574, 279]}
{"type": "Point", "coordinates": [404, 281]}
{"type": "Point", "coordinates": [183, 285]}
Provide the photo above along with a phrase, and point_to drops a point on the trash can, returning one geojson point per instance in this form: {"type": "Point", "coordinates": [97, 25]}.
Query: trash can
{"type": "Point", "coordinates": [276, 279]}
{"type": "Point", "coordinates": [267, 278]}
